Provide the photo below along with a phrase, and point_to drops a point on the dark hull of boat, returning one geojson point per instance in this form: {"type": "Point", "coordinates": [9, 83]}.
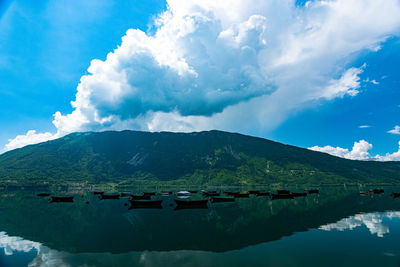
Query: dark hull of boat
{"type": "Point", "coordinates": [254, 192]}
{"type": "Point", "coordinates": [62, 199]}
{"type": "Point", "coordinates": [299, 194]}
{"type": "Point", "coordinates": [191, 203]}
{"type": "Point", "coordinates": [149, 193]}
{"type": "Point", "coordinates": [109, 196]}
{"type": "Point", "coordinates": [126, 194]}
{"type": "Point", "coordinates": [396, 195]}
{"type": "Point", "coordinates": [379, 191]}
{"type": "Point", "coordinates": [222, 199]}
{"type": "Point", "coordinates": [228, 193]}
{"type": "Point", "coordinates": [211, 194]}
{"type": "Point", "coordinates": [98, 192]}
{"type": "Point", "coordinates": [313, 191]}
{"type": "Point", "coordinates": [135, 204]}
{"type": "Point", "coordinates": [263, 194]}
{"type": "Point", "coordinates": [281, 196]}
{"type": "Point", "coordinates": [43, 195]}
{"type": "Point", "coordinates": [283, 192]}
{"type": "Point", "coordinates": [133, 197]}
{"type": "Point", "coordinates": [193, 191]}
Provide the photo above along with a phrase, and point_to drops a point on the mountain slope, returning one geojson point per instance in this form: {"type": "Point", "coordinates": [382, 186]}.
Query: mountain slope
{"type": "Point", "coordinates": [211, 157]}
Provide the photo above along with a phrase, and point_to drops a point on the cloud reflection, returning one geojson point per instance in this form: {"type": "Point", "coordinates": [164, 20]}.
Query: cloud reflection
{"type": "Point", "coordinates": [373, 221]}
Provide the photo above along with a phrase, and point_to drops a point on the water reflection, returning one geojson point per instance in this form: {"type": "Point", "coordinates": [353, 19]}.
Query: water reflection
{"type": "Point", "coordinates": [373, 221]}
{"type": "Point", "coordinates": [11, 244]}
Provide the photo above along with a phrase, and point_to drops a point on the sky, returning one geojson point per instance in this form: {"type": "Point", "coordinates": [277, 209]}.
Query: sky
{"type": "Point", "coordinates": [317, 74]}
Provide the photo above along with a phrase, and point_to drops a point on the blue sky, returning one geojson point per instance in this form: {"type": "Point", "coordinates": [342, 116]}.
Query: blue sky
{"type": "Point", "coordinates": [307, 74]}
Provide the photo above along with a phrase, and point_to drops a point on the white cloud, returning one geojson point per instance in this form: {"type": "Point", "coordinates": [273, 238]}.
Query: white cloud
{"type": "Point", "coordinates": [10, 244]}
{"type": "Point", "coordinates": [396, 130]}
{"type": "Point", "coordinates": [359, 151]}
{"type": "Point", "coordinates": [241, 65]}
{"type": "Point", "coordinates": [364, 126]}
{"type": "Point", "coordinates": [390, 157]}
{"type": "Point", "coordinates": [31, 137]}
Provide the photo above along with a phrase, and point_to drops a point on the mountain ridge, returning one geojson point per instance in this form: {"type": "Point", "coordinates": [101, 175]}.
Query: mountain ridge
{"type": "Point", "coordinates": [208, 157]}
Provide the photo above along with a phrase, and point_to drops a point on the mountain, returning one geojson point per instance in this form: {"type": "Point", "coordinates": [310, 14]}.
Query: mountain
{"type": "Point", "coordinates": [209, 157]}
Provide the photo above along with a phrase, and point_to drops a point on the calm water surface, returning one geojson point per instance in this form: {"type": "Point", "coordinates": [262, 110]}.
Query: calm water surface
{"type": "Point", "coordinates": [338, 227]}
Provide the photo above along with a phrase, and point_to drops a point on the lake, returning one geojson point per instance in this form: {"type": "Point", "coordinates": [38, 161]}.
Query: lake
{"type": "Point", "coordinates": [337, 227]}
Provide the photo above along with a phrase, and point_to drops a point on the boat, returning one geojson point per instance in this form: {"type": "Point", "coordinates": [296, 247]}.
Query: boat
{"type": "Point", "coordinates": [395, 195]}
{"type": "Point", "coordinates": [149, 193]}
{"type": "Point", "coordinates": [230, 193]}
{"type": "Point", "coordinates": [222, 199]}
{"type": "Point", "coordinates": [282, 196]}
{"type": "Point", "coordinates": [106, 196]}
{"type": "Point", "coordinates": [61, 199]}
{"type": "Point", "coordinates": [313, 191]}
{"type": "Point", "coordinates": [123, 194]}
{"type": "Point", "coordinates": [283, 192]}
{"type": "Point", "coordinates": [241, 195]}
{"type": "Point", "coordinates": [140, 197]}
{"type": "Point", "coordinates": [378, 191]}
{"type": "Point", "coordinates": [183, 193]}
{"type": "Point", "coordinates": [254, 192]}
{"type": "Point", "coordinates": [145, 204]}
{"type": "Point", "coordinates": [299, 194]}
{"type": "Point", "coordinates": [43, 194]}
{"type": "Point", "coordinates": [193, 191]}
{"type": "Point", "coordinates": [366, 193]}
{"type": "Point", "coordinates": [263, 194]}
{"type": "Point", "coordinates": [191, 203]}
{"type": "Point", "coordinates": [210, 194]}
{"type": "Point", "coordinates": [98, 192]}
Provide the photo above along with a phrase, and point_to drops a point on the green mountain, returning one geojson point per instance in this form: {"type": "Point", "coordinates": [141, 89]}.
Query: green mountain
{"type": "Point", "coordinates": [210, 157]}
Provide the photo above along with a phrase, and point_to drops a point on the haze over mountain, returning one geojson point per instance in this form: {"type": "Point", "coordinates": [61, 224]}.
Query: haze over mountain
{"type": "Point", "coordinates": [209, 157]}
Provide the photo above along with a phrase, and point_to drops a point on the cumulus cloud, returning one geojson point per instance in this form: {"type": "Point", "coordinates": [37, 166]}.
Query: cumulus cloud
{"type": "Point", "coordinates": [239, 65]}
{"type": "Point", "coordinates": [358, 152]}
{"type": "Point", "coordinates": [31, 137]}
{"type": "Point", "coordinates": [396, 130]}
{"type": "Point", "coordinates": [364, 126]}
{"type": "Point", "coordinates": [390, 157]}
{"type": "Point", "coordinates": [12, 244]}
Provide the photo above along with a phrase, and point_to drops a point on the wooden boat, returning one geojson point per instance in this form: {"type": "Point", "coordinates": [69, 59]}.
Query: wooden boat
{"type": "Point", "coordinates": [43, 194]}
{"type": "Point", "coordinates": [395, 195]}
{"type": "Point", "coordinates": [183, 193]}
{"type": "Point", "coordinates": [263, 194]}
{"type": "Point", "coordinates": [193, 191]}
{"type": "Point", "coordinates": [140, 197]}
{"type": "Point", "coordinates": [222, 199]}
{"type": "Point", "coordinates": [283, 192]}
{"type": "Point", "coordinates": [105, 196]}
{"type": "Point", "coordinates": [61, 199]}
{"type": "Point", "coordinates": [299, 194]}
{"type": "Point", "coordinates": [210, 194]}
{"type": "Point", "coordinates": [191, 203]}
{"type": "Point", "coordinates": [254, 192]}
{"type": "Point", "coordinates": [149, 193]}
{"type": "Point", "coordinates": [241, 195]}
{"type": "Point", "coordinates": [98, 192]}
{"type": "Point", "coordinates": [378, 191]}
{"type": "Point", "coordinates": [282, 196]}
{"type": "Point", "coordinates": [145, 203]}
{"type": "Point", "coordinates": [123, 194]}
{"type": "Point", "coordinates": [313, 191]}
{"type": "Point", "coordinates": [230, 193]}
{"type": "Point", "coordinates": [366, 193]}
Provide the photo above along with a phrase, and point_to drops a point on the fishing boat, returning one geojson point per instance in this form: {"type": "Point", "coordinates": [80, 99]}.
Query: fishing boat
{"type": "Point", "coordinates": [145, 204]}
{"type": "Point", "coordinates": [149, 193]}
{"type": "Point", "coordinates": [299, 194]}
{"type": "Point", "coordinates": [379, 191]}
{"type": "Point", "coordinates": [241, 195]}
{"type": "Point", "coordinates": [191, 203]}
{"type": "Point", "coordinates": [210, 194]}
{"type": "Point", "coordinates": [98, 192]}
{"type": "Point", "coordinates": [193, 191]}
{"type": "Point", "coordinates": [126, 194]}
{"type": "Point", "coordinates": [140, 197]}
{"type": "Point", "coordinates": [254, 192]}
{"type": "Point", "coordinates": [263, 194]}
{"type": "Point", "coordinates": [282, 196]}
{"type": "Point", "coordinates": [106, 196]}
{"type": "Point", "coordinates": [222, 199]}
{"type": "Point", "coordinates": [395, 195]}
{"type": "Point", "coordinates": [366, 193]}
{"type": "Point", "coordinates": [61, 199]}
{"type": "Point", "coordinates": [283, 192]}
{"type": "Point", "coordinates": [313, 191]}
{"type": "Point", "coordinates": [230, 193]}
{"type": "Point", "coordinates": [183, 193]}
{"type": "Point", "coordinates": [43, 194]}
